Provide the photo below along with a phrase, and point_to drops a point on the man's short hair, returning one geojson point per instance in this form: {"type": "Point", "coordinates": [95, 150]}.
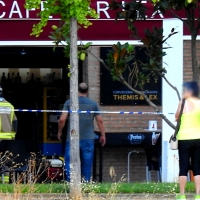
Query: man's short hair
{"type": "Point", "coordinates": [83, 88]}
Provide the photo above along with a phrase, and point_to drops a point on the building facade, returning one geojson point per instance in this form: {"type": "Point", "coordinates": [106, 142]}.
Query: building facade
{"type": "Point", "coordinates": [16, 24]}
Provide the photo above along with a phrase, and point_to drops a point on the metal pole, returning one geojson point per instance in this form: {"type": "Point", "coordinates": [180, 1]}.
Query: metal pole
{"type": "Point", "coordinates": [129, 154]}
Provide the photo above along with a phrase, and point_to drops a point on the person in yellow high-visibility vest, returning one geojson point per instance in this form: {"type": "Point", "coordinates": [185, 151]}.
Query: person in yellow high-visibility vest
{"type": "Point", "coordinates": [8, 120]}
{"type": "Point", "coordinates": [8, 125]}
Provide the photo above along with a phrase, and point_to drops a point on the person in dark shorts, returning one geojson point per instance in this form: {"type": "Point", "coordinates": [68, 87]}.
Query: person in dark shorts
{"type": "Point", "coordinates": [189, 138]}
{"type": "Point", "coordinates": [87, 135]}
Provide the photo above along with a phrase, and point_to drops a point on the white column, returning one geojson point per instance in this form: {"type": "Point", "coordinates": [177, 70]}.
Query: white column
{"type": "Point", "coordinates": [174, 60]}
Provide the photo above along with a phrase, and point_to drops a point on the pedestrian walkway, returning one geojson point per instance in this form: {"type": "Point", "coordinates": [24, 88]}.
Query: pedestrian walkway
{"type": "Point", "coordinates": [94, 196]}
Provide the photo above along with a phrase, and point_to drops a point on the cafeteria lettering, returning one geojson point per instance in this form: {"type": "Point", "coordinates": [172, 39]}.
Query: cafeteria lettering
{"type": "Point", "coordinates": [15, 10]}
{"type": "Point", "coordinates": [134, 97]}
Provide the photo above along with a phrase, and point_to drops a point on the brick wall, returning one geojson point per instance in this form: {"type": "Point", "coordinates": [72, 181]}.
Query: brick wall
{"type": "Point", "coordinates": [187, 70]}
{"type": "Point", "coordinates": [117, 158]}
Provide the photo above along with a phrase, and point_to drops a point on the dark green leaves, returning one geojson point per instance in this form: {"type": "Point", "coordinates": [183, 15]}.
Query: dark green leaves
{"type": "Point", "coordinates": [80, 9]}
{"type": "Point", "coordinates": [118, 58]}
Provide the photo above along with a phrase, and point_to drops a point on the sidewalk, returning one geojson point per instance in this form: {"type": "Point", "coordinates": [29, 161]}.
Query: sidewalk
{"type": "Point", "coordinates": [94, 197]}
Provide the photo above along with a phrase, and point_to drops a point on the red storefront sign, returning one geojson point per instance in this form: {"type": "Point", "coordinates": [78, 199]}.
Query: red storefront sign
{"type": "Point", "coordinates": [10, 9]}
{"type": "Point", "coordinates": [16, 22]}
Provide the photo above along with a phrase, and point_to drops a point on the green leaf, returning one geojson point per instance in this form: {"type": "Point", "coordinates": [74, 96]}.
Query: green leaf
{"type": "Point", "coordinates": [87, 45]}
{"type": "Point", "coordinates": [119, 45]}
{"type": "Point", "coordinates": [52, 37]}
{"type": "Point", "coordinates": [130, 58]}
{"type": "Point", "coordinates": [116, 78]}
{"type": "Point", "coordinates": [130, 48]}
{"type": "Point", "coordinates": [151, 61]}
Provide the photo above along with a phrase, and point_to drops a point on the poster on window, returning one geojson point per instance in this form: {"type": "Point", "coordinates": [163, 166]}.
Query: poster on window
{"type": "Point", "coordinates": [113, 92]}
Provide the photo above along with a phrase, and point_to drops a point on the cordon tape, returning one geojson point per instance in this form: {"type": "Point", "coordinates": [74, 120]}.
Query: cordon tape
{"type": "Point", "coordinates": [7, 110]}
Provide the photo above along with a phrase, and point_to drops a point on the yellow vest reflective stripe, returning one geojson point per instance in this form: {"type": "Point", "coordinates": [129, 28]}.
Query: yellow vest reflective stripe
{"type": "Point", "coordinates": [7, 135]}
{"type": "Point", "coordinates": [5, 104]}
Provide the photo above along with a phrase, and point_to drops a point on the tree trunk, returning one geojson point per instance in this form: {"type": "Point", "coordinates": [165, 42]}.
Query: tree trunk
{"type": "Point", "coordinates": [195, 67]}
{"type": "Point", "coordinates": [75, 174]}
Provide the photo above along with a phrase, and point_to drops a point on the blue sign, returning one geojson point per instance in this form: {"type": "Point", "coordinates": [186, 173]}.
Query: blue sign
{"type": "Point", "coordinates": [136, 138]}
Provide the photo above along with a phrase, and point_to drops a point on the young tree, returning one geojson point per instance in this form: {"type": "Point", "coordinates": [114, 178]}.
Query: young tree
{"type": "Point", "coordinates": [71, 14]}
{"type": "Point", "coordinates": [132, 10]}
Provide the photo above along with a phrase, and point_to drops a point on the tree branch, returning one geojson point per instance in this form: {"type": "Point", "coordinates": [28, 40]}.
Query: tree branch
{"type": "Point", "coordinates": [165, 39]}
{"type": "Point", "coordinates": [137, 92]}
{"type": "Point", "coordinates": [187, 12]}
{"type": "Point", "coordinates": [99, 59]}
{"type": "Point", "coordinates": [193, 17]}
{"type": "Point", "coordinates": [149, 102]}
{"type": "Point", "coordinates": [197, 27]}
{"type": "Point", "coordinates": [178, 17]}
{"type": "Point", "coordinates": [172, 86]}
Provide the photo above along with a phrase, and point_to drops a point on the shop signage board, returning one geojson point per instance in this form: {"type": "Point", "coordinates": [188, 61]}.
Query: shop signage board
{"type": "Point", "coordinates": [141, 139]}
{"type": "Point", "coordinates": [16, 22]}
{"type": "Point", "coordinates": [15, 10]}
{"type": "Point", "coordinates": [115, 93]}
